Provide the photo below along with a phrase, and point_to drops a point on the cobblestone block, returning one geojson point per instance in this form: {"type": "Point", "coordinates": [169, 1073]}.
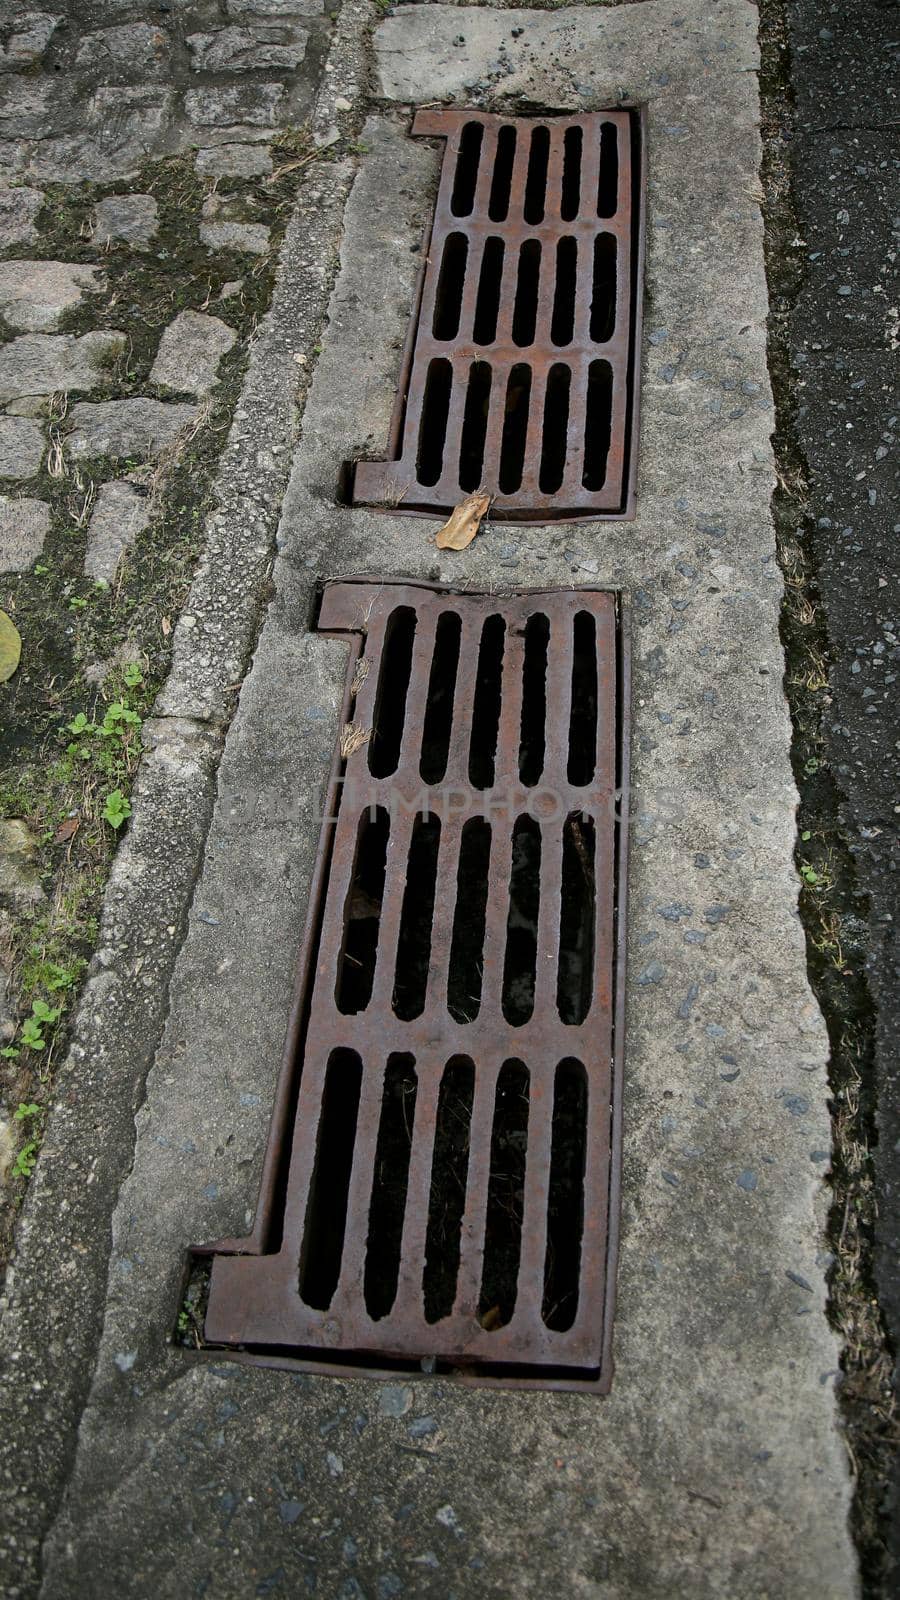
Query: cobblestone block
{"type": "Point", "coordinates": [120, 514]}
{"type": "Point", "coordinates": [254, 105]}
{"type": "Point", "coordinates": [28, 39]}
{"type": "Point", "coordinates": [24, 525]}
{"type": "Point", "coordinates": [135, 49]}
{"type": "Point", "coordinates": [233, 161]}
{"type": "Point", "coordinates": [278, 46]}
{"type": "Point", "coordinates": [190, 351]}
{"type": "Point", "coordinates": [18, 210]}
{"type": "Point", "coordinates": [42, 363]}
{"type": "Point", "coordinates": [21, 447]}
{"type": "Point", "coordinates": [141, 428]}
{"type": "Point", "coordinates": [131, 218]}
{"type": "Point", "coordinates": [35, 294]}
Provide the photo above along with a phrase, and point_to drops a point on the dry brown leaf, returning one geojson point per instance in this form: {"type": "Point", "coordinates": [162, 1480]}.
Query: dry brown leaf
{"type": "Point", "coordinates": [353, 737]}
{"type": "Point", "coordinates": [66, 830]}
{"type": "Point", "coordinates": [463, 523]}
{"type": "Point", "coordinates": [166, 626]}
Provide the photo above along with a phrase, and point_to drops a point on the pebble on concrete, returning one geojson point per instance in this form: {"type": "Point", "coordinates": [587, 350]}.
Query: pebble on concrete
{"type": "Point", "coordinates": [35, 294]}
{"type": "Point", "coordinates": [21, 447]}
{"type": "Point", "coordinates": [42, 363]}
{"type": "Point", "coordinates": [24, 525]}
{"type": "Point", "coordinates": [120, 514]}
{"type": "Point", "coordinates": [121, 428]}
{"type": "Point", "coordinates": [131, 218]}
{"type": "Point", "coordinates": [190, 351]}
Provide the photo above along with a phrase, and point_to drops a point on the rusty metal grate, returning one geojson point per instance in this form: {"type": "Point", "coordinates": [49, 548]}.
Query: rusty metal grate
{"type": "Point", "coordinates": [441, 1179]}
{"type": "Point", "coordinates": [521, 370]}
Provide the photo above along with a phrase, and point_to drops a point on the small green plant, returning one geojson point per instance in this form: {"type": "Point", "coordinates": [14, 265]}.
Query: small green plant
{"type": "Point", "coordinates": [117, 809]}
{"type": "Point", "coordinates": [42, 1016]}
{"type": "Point", "coordinates": [77, 604]}
{"type": "Point", "coordinates": [23, 1166]}
{"type": "Point", "coordinates": [809, 874]}
{"type": "Point", "coordinates": [40, 570]}
{"type": "Point", "coordinates": [133, 675]}
{"type": "Point", "coordinates": [117, 717]}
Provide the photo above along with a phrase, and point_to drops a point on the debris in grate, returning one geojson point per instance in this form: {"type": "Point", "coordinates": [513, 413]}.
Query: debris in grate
{"type": "Point", "coordinates": [440, 1187]}
{"type": "Point", "coordinates": [521, 371]}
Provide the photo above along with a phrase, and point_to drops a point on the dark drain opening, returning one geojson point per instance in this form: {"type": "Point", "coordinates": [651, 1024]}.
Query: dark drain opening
{"type": "Point", "coordinates": [575, 986]}
{"type": "Point", "coordinates": [520, 965]}
{"type": "Point", "coordinates": [389, 1186]}
{"type": "Point", "coordinates": [603, 295]}
{"type": "Point", "coordinates": [571, 180]}
{"type": "Point", "coordinates": [465, 970]}
{"type": "Point", "coordinates": [435, 413]}
{"type": "Point", "coordinates": [505, 1198]}
{"type": "Point", "coordinates": [326, 1214]}
{"type": "Point", "coordinates": [448, 300]}
{"type": "Point", "coordinates": [528, 285]}
{"type": "Point", "coordinates": [534, 700]}
{"type": "Point", "coordinates": [416, 917]}
{"type": "Point", "coordinates": [447, 1197]}
{"type": "Point", "coordinates": [438, 721]}
{"type": "Point", "coordinates": [556, 429]}
{"type": "Point", "coordinates": [390, 700]}
{"type": "Point", "coordinates": [515, 429]}
{"type": "Point", "coordinates": [536, 182]}
{"type": "Point", "coordinates": [486, 704]}
{"type": "Point", "coordinates": [598, 424]}
{"type": "Point", "coordinates": [490, 281]}
{"type": "Point", "coordinates": [583, 715]}
{"type": "Point", "coordinates": [498, 204]}
{"type": "Point", "coordinates": [608, 184]}
{"type": "Point", "coordinates": [467, 169]}
{"type": "Point", "coordinates": [565, 1211]}
{"type": "Point", "coordinates": [562, 327]}
{"type": "Point", "coordinates": [362, 914]}
{"type": "Point", "coordinates": [474, 431]}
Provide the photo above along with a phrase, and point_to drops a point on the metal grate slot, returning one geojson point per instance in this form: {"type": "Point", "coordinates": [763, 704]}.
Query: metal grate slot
{"type": "Point", "coordinates": [441, 1177]}
{"type": "Point", "coordinates": [534, 268]}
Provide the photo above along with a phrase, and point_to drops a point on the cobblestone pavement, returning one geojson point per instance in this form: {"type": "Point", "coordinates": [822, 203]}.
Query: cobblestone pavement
{"type": "Point", "coordinates": [150, 157]}
{"type": "Point", "coordinates": [91, 89]}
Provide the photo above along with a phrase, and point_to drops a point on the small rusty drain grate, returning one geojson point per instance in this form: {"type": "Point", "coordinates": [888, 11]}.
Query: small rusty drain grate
{"type": "Point", "coordinates": [521, 371]}
{"type": "Point", "coordinates": [441, 1179]}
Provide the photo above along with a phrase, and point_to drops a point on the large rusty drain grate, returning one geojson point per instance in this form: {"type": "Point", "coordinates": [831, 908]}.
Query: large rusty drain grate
{"type": "Point", "coordinates": [441, 1180]}
{"type": "Point", "coordinates": [521, 370]}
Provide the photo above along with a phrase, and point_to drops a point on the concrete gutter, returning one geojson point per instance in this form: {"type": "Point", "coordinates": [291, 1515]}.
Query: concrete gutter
{"type": "Point", "coordinates": [716, 1467]}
